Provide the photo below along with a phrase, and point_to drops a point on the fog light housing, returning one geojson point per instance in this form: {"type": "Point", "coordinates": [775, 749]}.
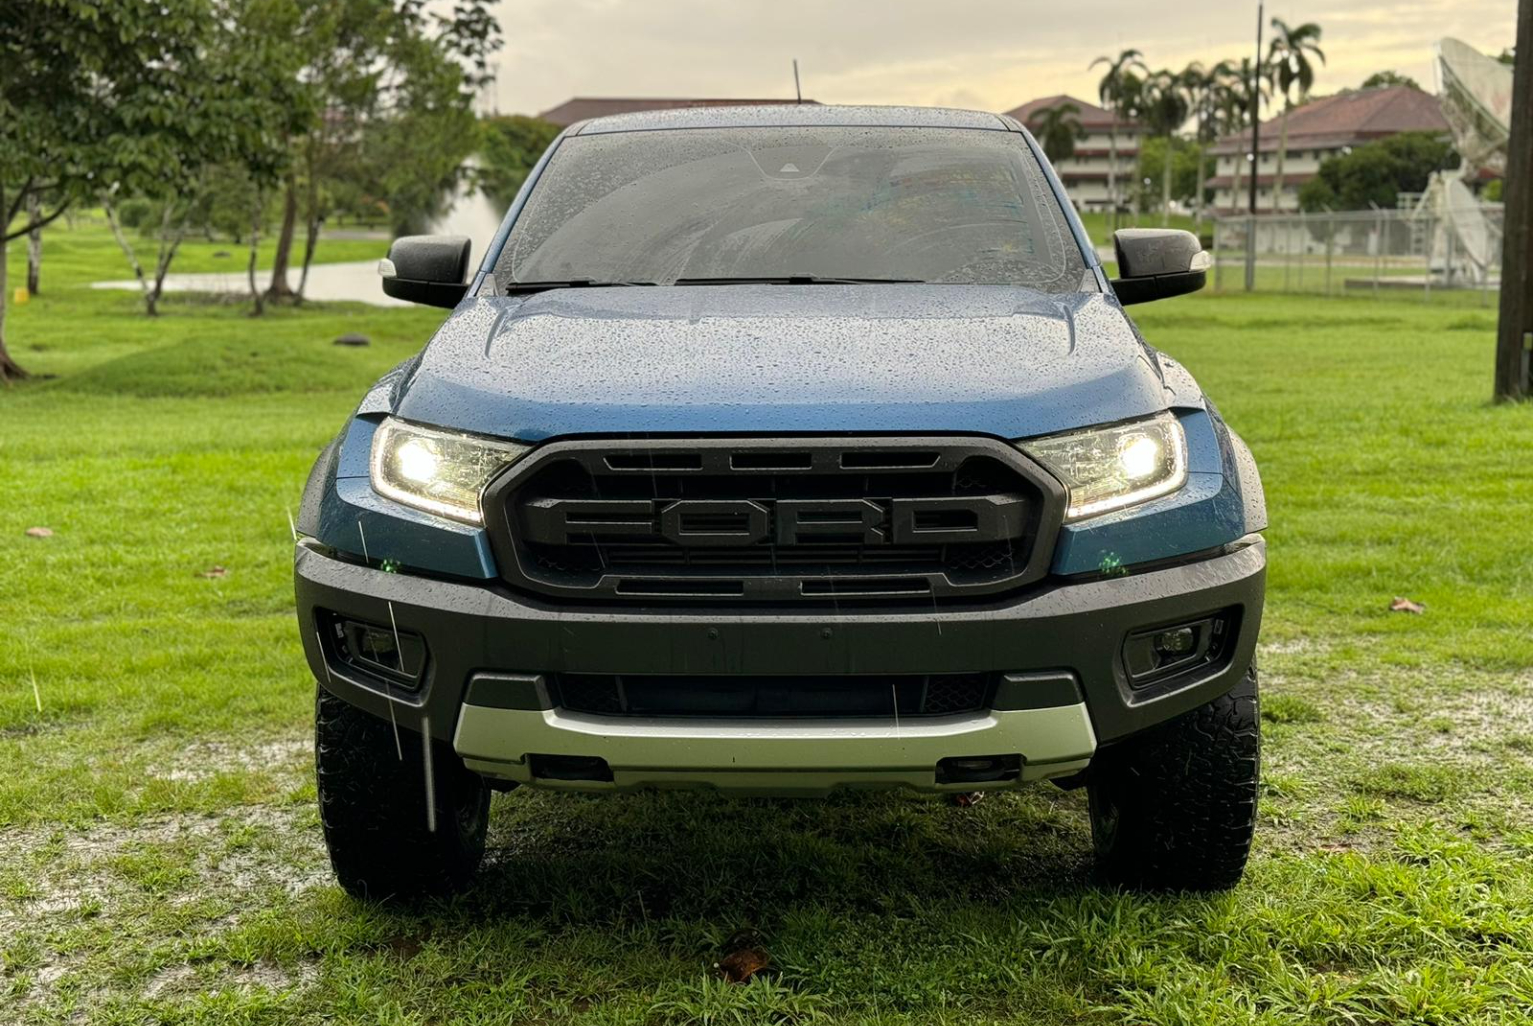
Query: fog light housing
{"type": "Point", "coordinates": [373, 650]}
{"type": "Point", "coordinates": [1178, 641]}
{"type": "Point", "coordinates": [1157, 653]}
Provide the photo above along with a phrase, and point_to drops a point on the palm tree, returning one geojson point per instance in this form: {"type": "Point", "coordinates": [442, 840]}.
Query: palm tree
{"type": "Point", "coordinates": [1203, 91]}
{"type": "Point", "coordinates": [1165, 108]}
{"type": "Point", "coordinates": [1115, 92]}
{"type": "Point", "coordinates": [1057, 130]}
{"type": "Point", "coordinates": [1288, 61]}
{"type": "Point", "coordinates": [1237, 109]}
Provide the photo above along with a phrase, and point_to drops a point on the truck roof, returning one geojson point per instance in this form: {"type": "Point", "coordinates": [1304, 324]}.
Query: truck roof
{"type": "Point", "coordinates": [794, 115]}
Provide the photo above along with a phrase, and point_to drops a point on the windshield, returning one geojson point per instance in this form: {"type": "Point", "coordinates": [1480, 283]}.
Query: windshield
{"type": "Point", "coordinates": [956, 206]}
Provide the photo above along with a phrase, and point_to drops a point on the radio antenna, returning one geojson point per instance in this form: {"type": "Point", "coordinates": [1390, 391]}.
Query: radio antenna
{"type": "Point", "coordinates": [797, 92]}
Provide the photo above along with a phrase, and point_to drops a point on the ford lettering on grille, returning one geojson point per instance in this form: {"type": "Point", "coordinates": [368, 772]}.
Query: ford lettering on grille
{"type": "Point", "coordinates": [872, 519]}
{"type": "Point", "coordinates": [784, 521]}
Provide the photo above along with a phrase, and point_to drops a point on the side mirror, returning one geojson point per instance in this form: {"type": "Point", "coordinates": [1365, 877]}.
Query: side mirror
{"type": "Point", "coordinates": [426, 269]}
{"type": "Point", "coordinates": [1157, 263]}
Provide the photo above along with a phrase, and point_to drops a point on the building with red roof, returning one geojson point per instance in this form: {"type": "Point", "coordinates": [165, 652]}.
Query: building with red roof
{"type": "Point", "coordinates": [1322, 128]}
{"type": "Point", "coordinates": [1085, 174]}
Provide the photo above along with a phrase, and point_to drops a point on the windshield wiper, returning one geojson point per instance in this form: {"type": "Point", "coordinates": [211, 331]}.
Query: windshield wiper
{"type": "Point", "coordinates": [512, 288]}
{"type": "Point", "coordinates": [798, 279]}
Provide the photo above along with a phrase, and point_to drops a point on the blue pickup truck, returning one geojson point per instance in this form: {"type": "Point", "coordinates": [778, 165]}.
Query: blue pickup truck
{"type": "Point", "coordinates": [779, 450]}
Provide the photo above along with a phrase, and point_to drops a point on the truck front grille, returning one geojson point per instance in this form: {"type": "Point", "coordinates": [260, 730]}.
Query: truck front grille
{"type": "Point", "coordinates": [911, 696]}
{"type": "Point", "coordinates": [774, 520]}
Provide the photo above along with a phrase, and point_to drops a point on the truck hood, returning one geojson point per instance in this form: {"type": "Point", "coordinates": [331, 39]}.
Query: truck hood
{"type": "Point", "coordinates": [773, 359]}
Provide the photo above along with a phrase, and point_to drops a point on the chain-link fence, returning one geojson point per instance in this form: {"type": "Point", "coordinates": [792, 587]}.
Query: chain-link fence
{"type": "Point", "coordinates": [1362, 252]}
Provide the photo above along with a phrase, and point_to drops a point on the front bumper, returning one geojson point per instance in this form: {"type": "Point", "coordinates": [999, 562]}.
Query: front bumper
{"type": "Point", "coordinates": [787, 756]}
{"type": "Point", "coordinates": [1073, 631]}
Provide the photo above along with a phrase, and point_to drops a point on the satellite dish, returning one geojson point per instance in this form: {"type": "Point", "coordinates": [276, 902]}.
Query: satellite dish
{"type": "Point", "coordinates": [1475, 92]}
{"type": "Point", "coordinates": [1476, 95]}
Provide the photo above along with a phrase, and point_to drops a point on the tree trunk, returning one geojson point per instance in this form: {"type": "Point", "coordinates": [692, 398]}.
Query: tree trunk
{"type": "Point", "coordinates": [279, 289]}
{"type": "Point", "coordinates": [255, 237]}
{"type": "Point", "coordinates": [313, 227]}
{"type": "Point", "coordinates": [1240, 159]}
{"type": "Point", "coordinates": [1197, 200]}
{"type": "Point", "coordinates": [1112, 168]}
{"type": "Point", "coordinates": [9, 371]}
{"type": "Point", "coordinates": [311, 220]}
{"type": "Point", "coordinates": [1277, 179]}
{"type": "Point", "coordinates": [1514, 336]}
{"type": "Point", "coordinates": [34, 244]}
{"type": "Point", "coordinates": [1165, 188]}
{"type": "Point", "coordinates": [127, 249]}
{"type": "Point", "coordinates": [168, 246]}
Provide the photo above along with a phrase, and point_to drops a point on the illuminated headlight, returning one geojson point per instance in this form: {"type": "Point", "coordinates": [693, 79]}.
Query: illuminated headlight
{"type": "Point", "coordinates": [1109, 468]}
{"type": "Point", "coordinates": [440, 472]}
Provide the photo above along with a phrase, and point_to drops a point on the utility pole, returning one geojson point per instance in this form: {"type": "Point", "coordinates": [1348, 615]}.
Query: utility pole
{"type": "Point", "coordinates": [1514, 339]}
{"type": "Point", "coordinates": [798, 91]}
{"type": "Point", "coordinates": [1256, 135]}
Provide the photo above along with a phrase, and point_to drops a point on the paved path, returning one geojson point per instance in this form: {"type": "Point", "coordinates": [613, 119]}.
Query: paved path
{"type": "Point", "coordinates": [357, 282]}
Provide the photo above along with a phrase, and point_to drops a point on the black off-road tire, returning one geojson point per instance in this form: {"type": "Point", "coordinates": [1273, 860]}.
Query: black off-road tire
{"type": "Point", "coordinates": [1174, 808]}
{"type": "Point", "coordinates": [372, 803]}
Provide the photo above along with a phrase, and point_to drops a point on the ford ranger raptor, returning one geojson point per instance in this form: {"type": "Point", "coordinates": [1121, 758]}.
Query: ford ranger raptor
{"type": "Point", "coordinates": [778, 450]}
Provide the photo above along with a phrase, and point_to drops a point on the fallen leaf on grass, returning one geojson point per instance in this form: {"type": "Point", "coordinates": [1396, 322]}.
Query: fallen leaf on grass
{"type": "Point", "coordinates": [39, 532]}
{"type": "Point", "coordinates": [214, 571]}
{"type": "Point", "coordinates": [744, 956]}
{"type": "Point", "coordinates": [739, 966]}
{"type": "Point", "coordinates": [1405, 605]}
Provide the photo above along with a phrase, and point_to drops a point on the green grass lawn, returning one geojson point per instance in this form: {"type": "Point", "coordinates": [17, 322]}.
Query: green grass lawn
{"type": "Point", "coordinates": [160, 858]}
{"type": "Point", "coordinates": [87, 252]}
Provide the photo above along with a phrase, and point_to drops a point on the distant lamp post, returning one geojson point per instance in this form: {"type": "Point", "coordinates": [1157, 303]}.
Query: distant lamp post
{"type": "Point", "coordinates": [1255, 94]}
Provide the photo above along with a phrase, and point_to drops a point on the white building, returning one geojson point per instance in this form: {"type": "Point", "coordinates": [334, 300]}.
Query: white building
{"type": "Point", "coordinates": [1318, 130]}
{"type": "Point", "coordinates": [1085, 174]}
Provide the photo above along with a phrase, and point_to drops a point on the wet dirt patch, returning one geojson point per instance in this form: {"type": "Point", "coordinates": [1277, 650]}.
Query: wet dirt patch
{"type": "Point", "coordinates": [203, 759]}
{"type": "Point", "coordinates": [1450, 747]}
{"type": "Point", "coordinates": [79, 898]}
{"type": "Point", "coordinates": [183, 981]}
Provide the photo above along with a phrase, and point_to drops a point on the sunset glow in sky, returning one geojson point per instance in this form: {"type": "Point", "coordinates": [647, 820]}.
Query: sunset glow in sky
{"type": "Point", "coordinates": [985, 54]}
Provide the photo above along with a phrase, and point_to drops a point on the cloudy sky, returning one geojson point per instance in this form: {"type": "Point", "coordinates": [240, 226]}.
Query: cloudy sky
{"type": "Point", "coordinates": [985, 54]}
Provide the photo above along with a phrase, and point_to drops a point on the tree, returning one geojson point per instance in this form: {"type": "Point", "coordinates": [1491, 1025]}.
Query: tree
{"type": "Point", "coordinates": [1184, 167]}
{"type": "Point", "coordinates": [1116, 91]}
{"type": "Point", "coordinates": [510, 147]}
{"type": "Point", "coordinates": [236, 100]}
{"type": "Point", "coordinates": [390, 94]}
{"type": "Point", "coordinates": [414, 150]}
{"type": "Point", "coordinates": [1203, 93]}
{"type": "Point", "coordinates": [1288, 60]}
{"type": "Point", "coordinates": [1058, 129]}
{"type": "Point", "coordinates": [1374, 174]}
{"type": "Point", "coordinates": [1229, 98]}
{"type": "Point", "coordinates": [1165, 107]}
{"type": "Point", "coordinates": [87, 93]}
{"type": "Point", "coordinates": [1380, 79]}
